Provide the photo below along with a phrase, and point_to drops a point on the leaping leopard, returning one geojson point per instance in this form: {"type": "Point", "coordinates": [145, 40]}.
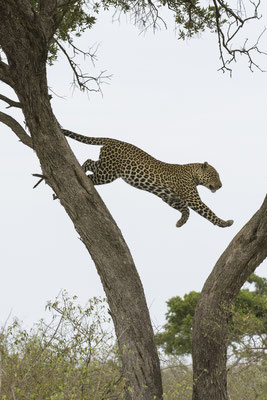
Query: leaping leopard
{"type": "Point", "coordinates": [173, 183]}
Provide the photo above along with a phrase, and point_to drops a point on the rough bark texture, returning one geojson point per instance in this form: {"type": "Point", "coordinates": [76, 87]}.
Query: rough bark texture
{"type": "Point", "coordinates": [24, 37]}
{"type": "Point", "coordinates": [246, 251]}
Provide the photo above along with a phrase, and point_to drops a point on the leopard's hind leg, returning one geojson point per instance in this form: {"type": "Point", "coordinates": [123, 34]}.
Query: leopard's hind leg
{"type": "Point", "coordinates": [181, 206]}
{"type": "Point", "coordinates": [101, 173]}
{"type": "Point", "coordinates": [176, 203]}
{"type": "Point", "coordinates": [89, 165]}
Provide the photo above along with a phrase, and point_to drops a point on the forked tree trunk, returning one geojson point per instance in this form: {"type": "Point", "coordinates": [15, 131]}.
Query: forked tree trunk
{"type": "Point", "coordinates": [246, 251]}
{"type": "Point", "coordinates": [23, 40]}
{"type": "Point", "coordinates": [24, 37]}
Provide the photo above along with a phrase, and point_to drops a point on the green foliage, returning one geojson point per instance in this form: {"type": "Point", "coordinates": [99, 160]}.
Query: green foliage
{"type": "Point", "coordinates": [72, 357]}
{"type": "Point", "coordinates": [248, 321]}
{"type": "Point", "coordinates": [260, 283]}
{"type": "Point", "coordinates": [74, 22]}
{"type": "Point", "coordinates": [190, 17]}
{"type": "Point", "coordinates": [177, 335]}
{"type": "Point", "coordinates": [74, 18]}
{"type": "Point", "coordinates": [250, 309]}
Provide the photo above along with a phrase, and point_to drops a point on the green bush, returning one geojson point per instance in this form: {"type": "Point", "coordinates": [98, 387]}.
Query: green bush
{"type": "Point", "coordinates": [72, 357]}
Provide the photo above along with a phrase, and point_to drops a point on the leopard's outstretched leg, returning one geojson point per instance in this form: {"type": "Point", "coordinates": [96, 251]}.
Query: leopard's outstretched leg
{"type": "Point", "coordinates": [197, 205]}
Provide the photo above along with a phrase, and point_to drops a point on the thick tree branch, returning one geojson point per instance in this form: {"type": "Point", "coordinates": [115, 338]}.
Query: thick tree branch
{"type": "Point", "coordinates": [210, 331]}
{"type": "Point", "coordinates": [16, 128]}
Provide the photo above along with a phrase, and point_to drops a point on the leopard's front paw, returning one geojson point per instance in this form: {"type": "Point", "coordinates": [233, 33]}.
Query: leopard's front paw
{"type": "Point", "coordinates": [227, 223]}
{"type": "Point", "coordinates": [180, 223]}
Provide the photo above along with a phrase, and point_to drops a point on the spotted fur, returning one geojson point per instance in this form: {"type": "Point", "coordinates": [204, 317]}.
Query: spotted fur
{"type": "Point", "coordinates": [173, 183]}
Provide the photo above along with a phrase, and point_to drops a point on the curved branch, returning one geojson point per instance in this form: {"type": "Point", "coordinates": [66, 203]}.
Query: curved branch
{"type": "Point", "coordinates": [11, 103]}
{"type": "Point", "coordinates": [16, 128]}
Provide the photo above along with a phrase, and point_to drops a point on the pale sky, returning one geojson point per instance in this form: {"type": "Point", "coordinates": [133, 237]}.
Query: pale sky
{"type": "Point", "coordinates": [167, 97]}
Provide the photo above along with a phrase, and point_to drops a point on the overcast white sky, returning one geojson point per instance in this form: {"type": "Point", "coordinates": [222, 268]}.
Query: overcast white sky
{"type": "Point", "coordinates": [166, 97]}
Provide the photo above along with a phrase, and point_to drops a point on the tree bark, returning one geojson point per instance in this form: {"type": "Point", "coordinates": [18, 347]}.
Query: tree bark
{"type": "Point", "coordinates": [243, 255]}
{"type": "Point", "coordinates": [23, 39]}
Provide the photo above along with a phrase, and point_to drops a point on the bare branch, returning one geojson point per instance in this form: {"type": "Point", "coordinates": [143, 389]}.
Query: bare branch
{"type": "Point", "coordinates": [81, 79]}
{"type": "Point", "coordinates": [141, 16]}
{"type": "Point", "coordinates": [11, 103]}
{"type": "Point", "coordinates": [16, 128]}
{"type": "Point", "coordinates": [228, 54]}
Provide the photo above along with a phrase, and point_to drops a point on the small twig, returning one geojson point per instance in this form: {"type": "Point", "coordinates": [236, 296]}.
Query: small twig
{"type": "Point", "coordinates": [60, 97]}
{"type": "Point", "coordinates": [40, 180]}
{"type": "Point", "coordinates": [43, 177]}
{"type": "Point", "coordinates": [90, 53]}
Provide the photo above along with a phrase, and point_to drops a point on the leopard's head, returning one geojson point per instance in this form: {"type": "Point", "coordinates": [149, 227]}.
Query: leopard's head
{"type": "Point", "coordinates": [209, 177]}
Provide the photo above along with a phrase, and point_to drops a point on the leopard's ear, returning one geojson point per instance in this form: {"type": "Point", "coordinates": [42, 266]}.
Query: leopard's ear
{"type": "Point", "coordinates": [205, 165]}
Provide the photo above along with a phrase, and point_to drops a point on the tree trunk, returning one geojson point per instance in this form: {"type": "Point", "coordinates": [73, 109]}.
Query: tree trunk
{"type": "Point", "coordinates": [246, 251]}
{"type": "Point", "coordinates": [23, 40]}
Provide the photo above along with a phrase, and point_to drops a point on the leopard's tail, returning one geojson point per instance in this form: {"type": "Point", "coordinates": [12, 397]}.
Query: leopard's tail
{"type": "Point", "coordinates": [88, 140]}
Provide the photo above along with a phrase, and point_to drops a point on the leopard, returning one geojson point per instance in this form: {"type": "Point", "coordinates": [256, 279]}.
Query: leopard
{"type": "Point", "coordinates": [175, 184]}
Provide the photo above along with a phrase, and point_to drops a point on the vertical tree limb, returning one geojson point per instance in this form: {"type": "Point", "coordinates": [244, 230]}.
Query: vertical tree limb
{"type": "Point", "coordinates": [243, 255]}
